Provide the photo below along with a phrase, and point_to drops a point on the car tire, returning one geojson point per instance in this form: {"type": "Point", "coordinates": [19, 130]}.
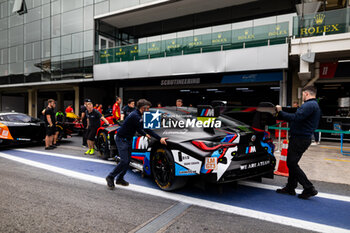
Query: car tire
{"type": "Point", "coordinates": [163, 170]}
{"type": "Point", "coordinates": [102, 145]}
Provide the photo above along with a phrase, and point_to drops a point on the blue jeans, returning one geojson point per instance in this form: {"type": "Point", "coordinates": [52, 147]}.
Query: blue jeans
{"type": "Point", "coordinates": [124, 152]}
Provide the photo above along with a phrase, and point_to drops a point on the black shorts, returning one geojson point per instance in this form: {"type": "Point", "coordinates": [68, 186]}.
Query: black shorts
{"type": "Point", "coordinates": [91, 133]}
{"type": "Point", "coordinates": [50, 130]}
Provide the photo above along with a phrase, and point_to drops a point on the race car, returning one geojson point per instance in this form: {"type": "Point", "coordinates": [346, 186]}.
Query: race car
{"type": "Point", "coordinates": [16, 128]}
{"type": "Point", "coordinates": [222, 154]}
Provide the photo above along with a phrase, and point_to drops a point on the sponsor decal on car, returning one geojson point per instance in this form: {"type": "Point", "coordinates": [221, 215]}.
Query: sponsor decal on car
{"type": "Point", "coordinates": [186, 164]}
{"type": "Point", "coordinates": [254, 165]}
{"type": "Point", "coordinates": [5, 132]}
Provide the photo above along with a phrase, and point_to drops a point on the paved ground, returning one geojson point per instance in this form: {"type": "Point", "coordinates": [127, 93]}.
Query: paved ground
{"type": "Point", "coordinates": [36, 200]}
{"type": "Point", "coordinates": [324, 162]}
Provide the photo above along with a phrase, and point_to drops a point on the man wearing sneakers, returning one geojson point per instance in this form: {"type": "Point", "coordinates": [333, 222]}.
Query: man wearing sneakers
{"type": "Point", "coordinates": [302, 126]}
{"type": "Point", "coordinates": [123, 140]}
{"type": "Point", "coordinates": [93, 123]}
{"type": "Point", "coordinates": [50, 123]}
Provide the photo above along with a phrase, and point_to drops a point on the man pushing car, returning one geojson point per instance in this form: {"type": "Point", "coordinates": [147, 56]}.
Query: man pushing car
{"type": "Point", "coordinates": [132, 123]}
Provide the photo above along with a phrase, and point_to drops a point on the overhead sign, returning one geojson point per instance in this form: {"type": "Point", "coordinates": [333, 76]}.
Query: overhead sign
{"type": "Point", "coordinates": [252, 78]}
{"type": "Point", "coordinates": [319, 27]}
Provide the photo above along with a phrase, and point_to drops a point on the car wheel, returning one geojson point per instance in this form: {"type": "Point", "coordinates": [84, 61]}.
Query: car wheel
{"type": "Point", "coordinates": [163, 170]}
{"type": "Point", "coordinates": [102, 145]}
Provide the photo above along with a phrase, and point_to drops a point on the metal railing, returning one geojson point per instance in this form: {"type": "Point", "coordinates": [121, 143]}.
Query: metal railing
{"type": "Point", "coordinates": [264, 35]}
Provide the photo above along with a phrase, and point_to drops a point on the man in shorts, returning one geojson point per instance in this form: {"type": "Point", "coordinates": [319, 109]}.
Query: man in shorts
{"type": "Point", "coordinates": [50, 124]}
{"type": "Point", "coordinates": [93, 123]}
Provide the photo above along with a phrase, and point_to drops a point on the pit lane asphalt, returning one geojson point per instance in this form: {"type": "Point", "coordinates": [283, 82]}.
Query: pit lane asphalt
{"type": "Point", "coordinates": [193, 218]}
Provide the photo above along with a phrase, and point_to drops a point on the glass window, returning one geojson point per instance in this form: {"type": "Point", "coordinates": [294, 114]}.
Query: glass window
{"type": "Point", "coordinates": [88, 18]}
{"type": "Point", "coordinates": [102, 8]}
{"type": "Point", "coordinates": [36, 3]}
{"type": "Point", "coordinates": [66, 44]}
{"type": "Point", "coordinates": [37, 50]}
{"type": "Point", "coordinates": [16, 36]}
{"type": "Point", "coordinates": [88, 2]}
{"type": "Point", "coordinates": [56, 7]}
{"type": "Point", "coordinates": [55, 46]}
{"type": "Point", "coordinates": [118, 5]}
{"type": "Point", "coordinates": [32, 32]}
{"type": "Point", "coordinates": [4, 70]}
{"type": "Point", "coordinates": [77, 42]}
{"type": "Point", "coordinates": [103, 44]}
{"type": "Point", "coordinates": [16, 20]}
{"type": "Point", "coordinates": [46, 52]}
{"type": "Point", "coordinates": [45, 11]}
{"type": "Point", "coordinates": [29, 66]}
{"type": "Point", "coordinates": [72, 22]}
{"type": "Point", "coordinates": [4, 54]}
{"type": "Point", "coordinates": [56, 25]}
{"type": "Point", "coordinates": [3, 24]}
{"type": "Point", "coordinates": [88, 40]}
{"type": "Point", "coordinates": [68, 5]}
{"type": "Point", "coordinates": [16, 68]}
{"type": "Point", "coordinates": [45, 28]}
{"type": "Point", "coordinates": [28, 52]}
{"type": "Point", "coordinates": [3, 38]}
{"type": "Point", "coordinates": [3, 9]}
{"type": "Point", "coordinates": [32, 15]}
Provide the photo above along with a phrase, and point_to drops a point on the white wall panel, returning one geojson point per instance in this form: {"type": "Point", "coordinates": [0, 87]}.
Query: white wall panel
{"type": "Point", "coordinates": [250, 59]}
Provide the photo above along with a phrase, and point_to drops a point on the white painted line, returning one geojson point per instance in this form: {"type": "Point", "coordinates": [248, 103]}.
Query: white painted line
{"type": "Point", "coordinates": [185, 199]}
{"type": "Point", "coordinates": [66, 156]}
{"type": "Point", "coordinates": [273, 187]}
{"type": "Point", "coordinates": [246, 183]}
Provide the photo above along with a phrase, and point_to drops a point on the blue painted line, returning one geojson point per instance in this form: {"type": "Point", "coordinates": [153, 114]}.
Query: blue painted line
{"type": "Point", "coordinates": [318, 210]}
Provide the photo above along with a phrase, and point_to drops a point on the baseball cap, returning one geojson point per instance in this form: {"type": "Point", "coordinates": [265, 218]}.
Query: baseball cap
{"type": "Point", "coordinates": [87, 100]}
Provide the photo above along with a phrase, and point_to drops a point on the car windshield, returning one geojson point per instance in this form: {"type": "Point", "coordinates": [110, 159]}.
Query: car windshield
{"type": "Point", "coordinates": [19, 118]}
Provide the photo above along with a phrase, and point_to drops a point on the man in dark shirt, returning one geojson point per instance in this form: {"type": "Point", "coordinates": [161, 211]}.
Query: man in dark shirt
{"type": "Point", "coordinates": [84, 120]}
{"type": "Point", "coordinates": [302, 126]}
{"type": "Point", "coordinates": [123, 140]}
{"type": "Point", "coordinates": [94, 118]}
{"type": "Point", "coordinates": [50, 124]}
{"type": "Point", "coordinates": [128, 108]}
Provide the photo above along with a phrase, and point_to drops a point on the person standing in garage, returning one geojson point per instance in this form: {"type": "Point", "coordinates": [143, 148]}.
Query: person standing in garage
{"type": "Point", "coordinates": [302, 126]}
{"type": "Point", "coordinates": [94, 118]}
{"type": "Point", "coordinates": [116, 110]}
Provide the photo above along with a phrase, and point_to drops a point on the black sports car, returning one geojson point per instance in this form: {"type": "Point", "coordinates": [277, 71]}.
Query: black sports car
{"type": "Point", "coordinates": [221, 154]}
{"type": "Point", "coordinates": [18, 128]}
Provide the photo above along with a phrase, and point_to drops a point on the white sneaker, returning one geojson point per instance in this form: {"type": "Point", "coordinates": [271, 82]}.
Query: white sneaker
{"type": "Point", "coordinates": [313, 144]}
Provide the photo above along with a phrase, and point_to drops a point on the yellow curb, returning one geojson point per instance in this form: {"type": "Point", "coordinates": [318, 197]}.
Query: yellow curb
{"type": "Point", "coordinates": [332, 148]}
{"type": "Point", "coordinates": [339, 160]}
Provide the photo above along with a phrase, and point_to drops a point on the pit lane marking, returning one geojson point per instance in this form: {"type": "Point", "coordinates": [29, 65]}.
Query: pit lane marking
{"type": "Point", "coordinates": [339, 160]}
{"type": "Point", "coordinates": [245, 183]}
{"type": "Point", "coordinates": [186, 199]}
{"type": "Point", "coordinates": [274, 187]}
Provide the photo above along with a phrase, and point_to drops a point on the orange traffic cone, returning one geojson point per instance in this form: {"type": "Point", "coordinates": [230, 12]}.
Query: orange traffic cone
{"type": "Point", "coordinates": [282, 165]}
